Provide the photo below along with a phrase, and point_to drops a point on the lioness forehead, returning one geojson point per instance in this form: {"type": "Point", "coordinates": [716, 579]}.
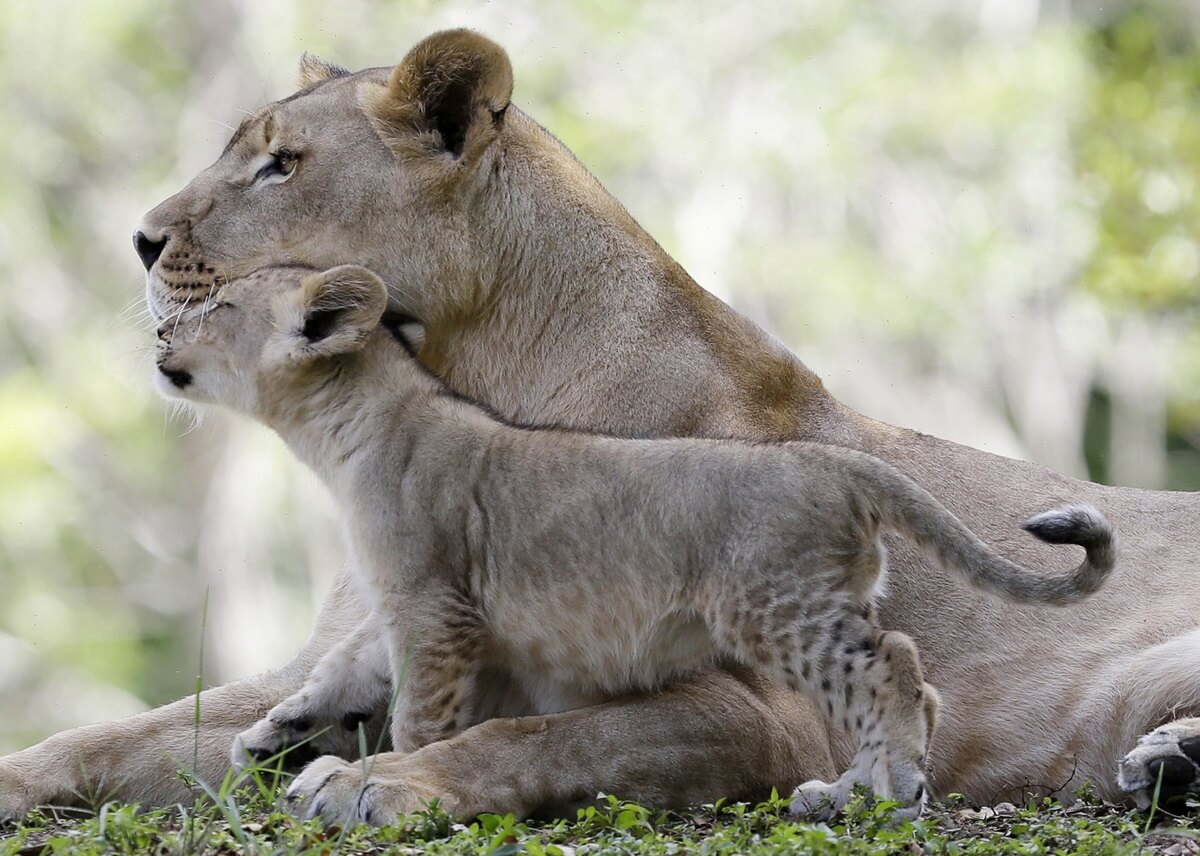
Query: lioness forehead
{"type": "Point", "coordinates": [261, 124]}
{"type": "Point", "coordinates": [261, 121]}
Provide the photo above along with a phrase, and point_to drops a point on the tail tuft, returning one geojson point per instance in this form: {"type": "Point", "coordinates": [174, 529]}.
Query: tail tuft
{"type": "Point", "coordinates": [1070, 524]}
{"type": "Point", "coordinates": [1086, 527]}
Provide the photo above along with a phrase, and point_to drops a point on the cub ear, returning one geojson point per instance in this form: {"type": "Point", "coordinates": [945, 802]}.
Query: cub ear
{"type": "Point", "coordinates": [447, 97]}
{"type": "Point", "coordinates": [313, 69]}
{"type": "Point", "coordinates": [334, 312]}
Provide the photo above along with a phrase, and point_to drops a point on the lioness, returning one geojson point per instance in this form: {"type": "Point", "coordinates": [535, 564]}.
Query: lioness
{"type": "Point", "coordinates": [541, 297]}
{"type": "Point", "coordinates": [582, 564]}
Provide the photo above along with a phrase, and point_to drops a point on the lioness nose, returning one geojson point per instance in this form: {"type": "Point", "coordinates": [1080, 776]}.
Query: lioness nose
{"type": "Point", "coordinates": [148, 251]}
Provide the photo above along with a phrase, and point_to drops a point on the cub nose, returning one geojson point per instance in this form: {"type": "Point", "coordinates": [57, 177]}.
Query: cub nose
{"type": "Point", "coordinates": [148, 250]}
{"type": "Point", "coordinates": [180, 378]}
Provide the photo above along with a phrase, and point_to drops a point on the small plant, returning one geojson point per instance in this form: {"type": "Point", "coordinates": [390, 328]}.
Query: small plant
{"type": "Point", "coordinates": [246, 816]}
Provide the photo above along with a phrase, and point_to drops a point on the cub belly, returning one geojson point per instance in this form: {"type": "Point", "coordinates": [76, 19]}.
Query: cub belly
{"type": "Point", "coordinates": [567, 658]}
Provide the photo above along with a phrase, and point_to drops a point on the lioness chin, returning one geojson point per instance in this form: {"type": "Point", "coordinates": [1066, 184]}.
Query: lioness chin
{"type": "Point", "coordinates": [586, 563]}
{"type": "Point", "coordinates": [541, 297]}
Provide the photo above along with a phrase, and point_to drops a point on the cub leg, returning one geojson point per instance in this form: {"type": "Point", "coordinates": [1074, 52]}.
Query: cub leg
{"type": "Point", "coordinates": [434, 644]}
{"type": "Point", "coordinates": [871, 684]}
{"type": "Point", "coordinates": [891, 712]}
{"type": "Point", "coordinates": [350, 686]}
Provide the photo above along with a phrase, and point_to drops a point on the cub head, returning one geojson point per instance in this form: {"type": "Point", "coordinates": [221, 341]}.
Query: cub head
{"type": "Point", "coordinates": [379, 167]}
{"type": "Point", "coordinates": [267, 334]}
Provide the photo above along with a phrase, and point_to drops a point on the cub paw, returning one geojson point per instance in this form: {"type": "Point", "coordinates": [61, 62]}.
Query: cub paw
{"type": "Point", "coordinates": [817, 801]}
{"type": "Point", "coordinates": [296, 734]}
{"type": "Point", "coordinates": [1170, 753]}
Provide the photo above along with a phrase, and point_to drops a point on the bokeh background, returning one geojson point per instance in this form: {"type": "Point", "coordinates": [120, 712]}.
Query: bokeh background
{"type": "Point", "coordinates": [979, 218]}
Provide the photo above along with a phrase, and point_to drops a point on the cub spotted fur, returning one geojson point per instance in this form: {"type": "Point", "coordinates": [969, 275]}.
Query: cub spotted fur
{"type": "Point", "coordinates": [587, 565]}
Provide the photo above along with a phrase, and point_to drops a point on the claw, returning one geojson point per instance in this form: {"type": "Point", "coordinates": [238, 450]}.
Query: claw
{"type": "Point", "coordinates": [361, 809]}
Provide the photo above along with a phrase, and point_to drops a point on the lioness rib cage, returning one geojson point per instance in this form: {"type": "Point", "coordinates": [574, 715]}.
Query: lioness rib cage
{"type": "Point", "coordinates": [587, 563]}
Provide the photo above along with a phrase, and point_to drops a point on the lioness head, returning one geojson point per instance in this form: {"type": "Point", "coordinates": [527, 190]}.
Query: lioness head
{"type": "Point", "coordinates": [377, 167]}
{"type": "Point", "coordinates": [266, 333]}
{"type": "Point", "coordinates": [538, 293]}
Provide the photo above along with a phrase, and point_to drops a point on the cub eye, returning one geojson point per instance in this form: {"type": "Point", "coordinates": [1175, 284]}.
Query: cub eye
{"type": "Point", "coordinates": [278, 168]}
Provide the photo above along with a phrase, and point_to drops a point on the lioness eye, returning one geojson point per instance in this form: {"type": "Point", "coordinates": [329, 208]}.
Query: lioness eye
{"type": "Point", "coordinates": [279, 168]}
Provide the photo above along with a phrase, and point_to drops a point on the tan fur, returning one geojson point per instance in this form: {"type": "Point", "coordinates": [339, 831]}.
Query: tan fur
{"type": "Point", "coordinates": [587, 566]}
{"type": "Point", "coordinates": [314, 70]}
{"type": "Point", "coordinates": [543, 298]}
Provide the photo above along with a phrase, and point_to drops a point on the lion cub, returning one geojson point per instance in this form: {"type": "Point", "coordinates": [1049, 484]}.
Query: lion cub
{"type": "Point", "coordinates": [585, 565]}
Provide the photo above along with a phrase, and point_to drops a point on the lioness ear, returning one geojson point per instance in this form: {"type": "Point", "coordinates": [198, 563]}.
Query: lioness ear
{"type": "Point", "coordinates": [313, 69]}
{"type": "Point", "coordinates": [447, 97]}
{"type": "Point", "coordinates": [333, 312]}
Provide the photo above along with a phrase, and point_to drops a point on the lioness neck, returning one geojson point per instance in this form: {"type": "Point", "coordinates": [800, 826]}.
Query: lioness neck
{"type": "Point", "coordinates": [580, 318]}
{"type": "Point", "coordinates": [337, 411]}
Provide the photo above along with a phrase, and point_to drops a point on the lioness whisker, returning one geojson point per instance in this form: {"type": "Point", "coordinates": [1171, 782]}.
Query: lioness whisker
{"type": "Point", "coordinates": [179, 315]}
{"type": "Point", "coordinates": [204, 308]}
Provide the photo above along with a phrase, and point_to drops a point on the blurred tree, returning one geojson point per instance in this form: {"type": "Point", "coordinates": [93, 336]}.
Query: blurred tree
{"type": "Point", "coordinates": [1139, 162]}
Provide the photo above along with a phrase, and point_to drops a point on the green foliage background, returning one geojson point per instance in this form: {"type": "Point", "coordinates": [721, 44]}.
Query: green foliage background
{"type": "Point", "coordinates": [974, 217]}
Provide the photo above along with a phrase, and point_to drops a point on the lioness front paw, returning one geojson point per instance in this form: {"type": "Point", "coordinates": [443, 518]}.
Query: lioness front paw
{"type": "Point", "coordinates": [375, 791]}
{"type": "Point", "coordinates": [13, 806]}
{"type": "Point", "coordinates": [1170, 752]}
{"type": "Point", "coordinates": [21, 793]}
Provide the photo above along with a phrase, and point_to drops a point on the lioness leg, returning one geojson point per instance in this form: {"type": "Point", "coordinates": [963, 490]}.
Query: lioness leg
{"type": "Point", "coordinates": [138, 759]}
{"type": "Point", "coordinates": [349, 688]}
{"type": "Point", "coordinates": [1160, 685]}
{"type": "Point", "coordinates": [720, 734]}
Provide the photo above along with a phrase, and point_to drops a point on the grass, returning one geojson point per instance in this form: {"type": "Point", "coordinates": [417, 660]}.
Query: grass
{"type": "Point", "coordinates": [253, 820]}
{"type": "Point", "coordinates": [246, 814]}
